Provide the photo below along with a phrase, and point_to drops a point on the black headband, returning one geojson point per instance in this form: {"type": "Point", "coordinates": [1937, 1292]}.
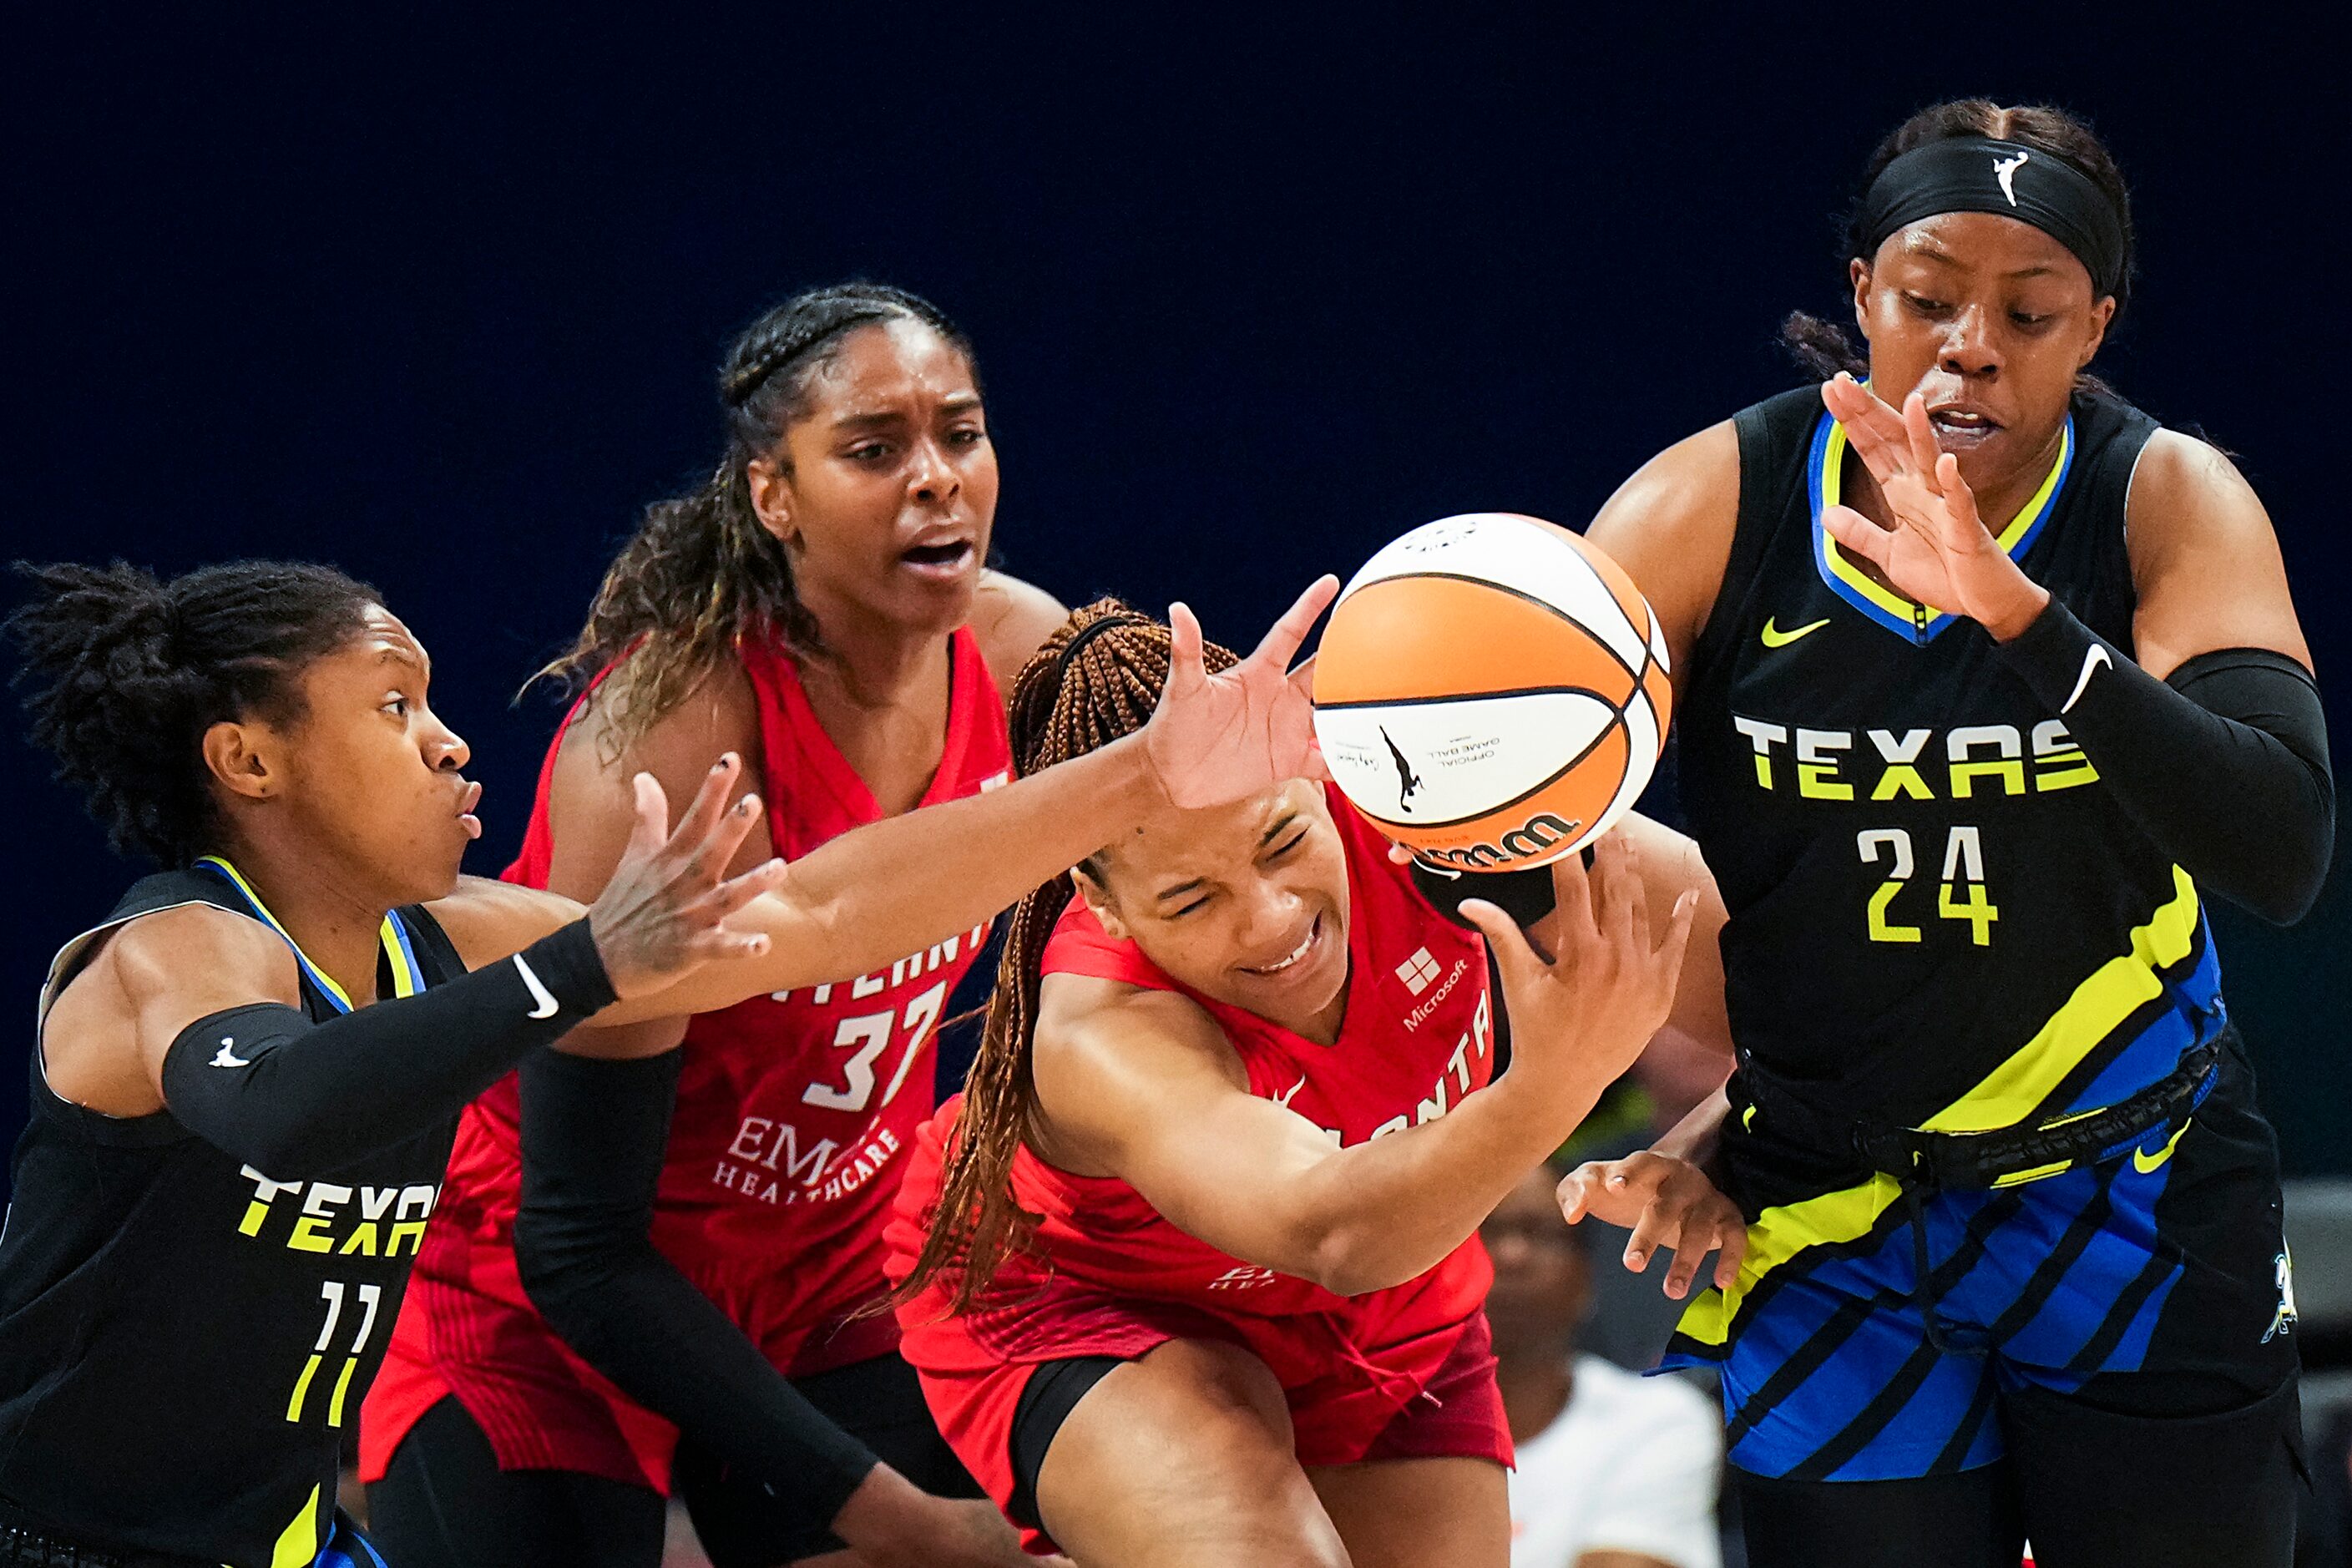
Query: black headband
{"type": "Point", "coordinates": [1978, 174]}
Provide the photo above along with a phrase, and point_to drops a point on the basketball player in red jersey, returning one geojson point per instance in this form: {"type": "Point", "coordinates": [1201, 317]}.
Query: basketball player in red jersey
{"type": "Point", "coordinates": [821, 607]}
{"type": "Point", "coordinates": [1190, 1272]}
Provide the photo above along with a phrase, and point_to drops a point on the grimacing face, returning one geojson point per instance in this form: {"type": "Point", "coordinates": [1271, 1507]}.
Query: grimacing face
{"type": "Point", "coordinates": [1246, 903]}
{"type": "Point", "coordinates": [1989, 320]}
{"type": "Point", "coordinates": [366, 771]}
{"type": "Point", "coordinates": [883, 488]}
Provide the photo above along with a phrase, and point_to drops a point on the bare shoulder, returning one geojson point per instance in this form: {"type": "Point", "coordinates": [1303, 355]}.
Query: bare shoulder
{"type": "Point", "coordinates": [2183, 489]}
{"type": "Point", "coordinates": [486, 919]}
{"type": "Point", "coordinates": [2205, 559]}
{"type": "Point", "coordinates": [103, 1041]}
{"type": "Point", "coordinates": [719, 713]}
{"type": "Point", "coordinates": [1107, 1054]}
{"type": "Point", "coordinates": [173, 950]}
{"type": "Point", "coordinates": [592, 804]}
{"type": "Point", "coordinates": [1670, 526]}
{"type": "Point", "coordinates": [1012, 619]}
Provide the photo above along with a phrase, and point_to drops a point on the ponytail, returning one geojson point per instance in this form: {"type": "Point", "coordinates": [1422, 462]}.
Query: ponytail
{"type": "Point", "coordinates": [1096, 678]}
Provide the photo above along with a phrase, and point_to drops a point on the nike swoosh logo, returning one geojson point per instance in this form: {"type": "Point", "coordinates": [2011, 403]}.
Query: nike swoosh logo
{"type": "Point", "coordinates": [226, 1058]}
{"type": "Point", "coordinates": [539, 993]}
{"type": "Point", "coordinates": [2091, 662]}
{"type": "Point", "coordinates": [1284, 1097]}
{"type": "Point", "coordinates": [1775, 637]}
{"type": "Point", "coordinates": [2143, 1161]}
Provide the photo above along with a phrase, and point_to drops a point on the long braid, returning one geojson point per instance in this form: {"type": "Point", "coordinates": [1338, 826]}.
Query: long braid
{"type": "Point", "coordinates": [1096, 678]}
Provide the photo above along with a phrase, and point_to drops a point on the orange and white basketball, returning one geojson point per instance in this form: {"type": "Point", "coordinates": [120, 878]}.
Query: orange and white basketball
{"type": "Point", "coordinates": [1492, 691]}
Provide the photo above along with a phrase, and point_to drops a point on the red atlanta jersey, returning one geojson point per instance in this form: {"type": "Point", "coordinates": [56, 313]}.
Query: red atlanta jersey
{"type": "Point", "coordinates": [793, 1113]}
{"type": "Point", "coordinates": [1417, 1038]}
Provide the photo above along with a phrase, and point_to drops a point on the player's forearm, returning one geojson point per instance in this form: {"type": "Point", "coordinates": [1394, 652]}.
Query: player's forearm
{"type": "Point", "coordinates": [1383, 1212]}
{"type": "Point", "coordinates": [897, 886]}
{"type": "Point", "coordinates": [1697, 1135]}
{"type": "Point", "coordinates": [296, 1099]}
{"type": "Point", "coordinates": [876, 893]}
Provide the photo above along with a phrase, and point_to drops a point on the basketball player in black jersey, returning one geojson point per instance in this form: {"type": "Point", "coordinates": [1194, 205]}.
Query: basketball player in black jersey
{"type": "Point", "coordinates": [247, 1077]}
{"type": "Point", "coordinates": [1985, 681]}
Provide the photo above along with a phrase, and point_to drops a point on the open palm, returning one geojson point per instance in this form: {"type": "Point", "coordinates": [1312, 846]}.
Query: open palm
{"type": "Point", "coordinates": [1223, 737]}
{"type": "Point", "coordinates": [1938, 553]}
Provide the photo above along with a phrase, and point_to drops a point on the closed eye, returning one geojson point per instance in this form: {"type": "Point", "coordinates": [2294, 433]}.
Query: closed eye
{"type": "Point", "coordinates": [1926, 306]}
{"type": "Point", "coordinates": [1296, 839]}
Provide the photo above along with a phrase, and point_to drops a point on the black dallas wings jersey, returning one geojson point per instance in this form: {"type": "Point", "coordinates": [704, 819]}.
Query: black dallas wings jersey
{"type": "Point", "coordinates": [184, 1341]}
{"type": "Point", "coordinates": [1938, 915]}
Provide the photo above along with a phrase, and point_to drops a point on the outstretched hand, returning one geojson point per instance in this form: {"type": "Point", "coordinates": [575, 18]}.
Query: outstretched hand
{"type": "Point", "coordinates": [1223, 737]}
{"type": "Point", "coordinates": [1665, 1202]}
{"type": "Point", "coordinates": [1590, 1009]}
{"type": "Point", "coordinates": [664, 912]}
{"type": "Point", "coordinates": [1938, 553]}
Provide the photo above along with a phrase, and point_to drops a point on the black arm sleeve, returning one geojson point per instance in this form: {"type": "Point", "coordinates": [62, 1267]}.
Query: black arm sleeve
{"type": "Point", "coordinates": [593, 1135]}
{"type": "Point", "coordinates": [290, 1097]}
{"type": "Point", "coordinates": [2224, 764]}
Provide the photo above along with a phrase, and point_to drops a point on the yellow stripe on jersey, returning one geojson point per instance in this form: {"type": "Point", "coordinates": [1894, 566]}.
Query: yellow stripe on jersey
{"type": "Point", "coordinates": [407, 976]}
{"type": "Point", "coordinates": [2012, 1091]}
{"type": "Point", "coordinates": [1780, 1234]}
{"type": "Point", "coordinates": [2007, 1096]}
{"type": "Point", "coordinates": [297, 1545]}
{"type": "Point", "coordinates": [1832, 487]}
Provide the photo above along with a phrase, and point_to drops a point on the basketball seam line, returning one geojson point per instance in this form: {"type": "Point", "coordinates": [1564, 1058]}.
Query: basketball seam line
{"type": "Point", "coordinates": [1433, 702]}
{"type": "Point", "coordinates": [1648, 657]}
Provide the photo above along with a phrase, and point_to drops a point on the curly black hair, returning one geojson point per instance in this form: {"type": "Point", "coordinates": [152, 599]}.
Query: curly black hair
{"type": "Point", "coordinates": [702, 570]}
{"type": "Point", "coordinates": [1824, 347]}
{"type": "Point", "coordinates": [123, 672]}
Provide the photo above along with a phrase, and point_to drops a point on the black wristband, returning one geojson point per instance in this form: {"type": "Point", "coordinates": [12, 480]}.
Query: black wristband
{"type": "Point", "coordinates": [2056, 656]}
{"type": "Point", "coordinates": [568, 966]}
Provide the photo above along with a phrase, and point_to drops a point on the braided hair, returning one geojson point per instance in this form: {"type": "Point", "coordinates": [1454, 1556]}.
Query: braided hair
{"type": "Point", "coordinates": [1096, 678]}
{"type": "Point", "coordinates": [123, 672]}
{"type": "Point", "coordinates": [702, 570]}
{"type": "Point", "coordinates": [1824, 347]}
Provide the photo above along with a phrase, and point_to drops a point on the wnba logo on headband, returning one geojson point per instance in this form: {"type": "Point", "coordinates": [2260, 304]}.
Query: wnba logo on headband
{"type": "Point", "coordinates": [2030, 184]}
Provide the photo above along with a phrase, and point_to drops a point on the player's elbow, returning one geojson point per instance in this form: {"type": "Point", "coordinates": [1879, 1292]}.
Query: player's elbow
{"type": "Point", "coordinates": [1351, 1257]}
{"type": "Point", "coordinates": [2287, 885]}
{"type": "Point", "coordinates": [565, 1271]}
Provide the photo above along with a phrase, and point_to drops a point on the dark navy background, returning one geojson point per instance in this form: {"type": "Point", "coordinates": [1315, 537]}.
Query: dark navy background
{"type": "Point", "coordinates": [441, 302]}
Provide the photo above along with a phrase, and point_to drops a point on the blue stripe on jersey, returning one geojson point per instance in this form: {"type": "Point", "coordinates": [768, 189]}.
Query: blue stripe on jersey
{"type": "Point", "coordinates": [2064, 1285]}
{"type": "Point", "coordinates": [2196, 1016]}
